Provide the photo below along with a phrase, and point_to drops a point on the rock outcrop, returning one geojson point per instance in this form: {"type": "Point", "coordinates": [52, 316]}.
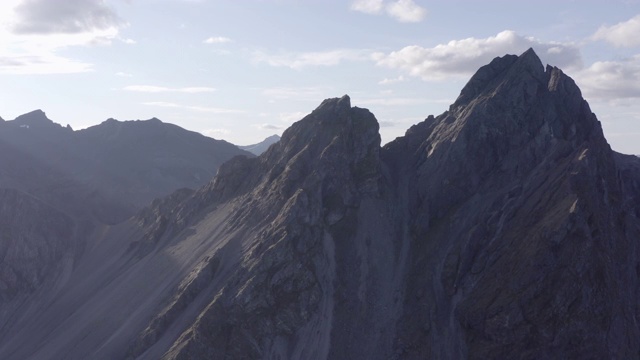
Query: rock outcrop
{"type": "Point", "coordinates": [503, 228]}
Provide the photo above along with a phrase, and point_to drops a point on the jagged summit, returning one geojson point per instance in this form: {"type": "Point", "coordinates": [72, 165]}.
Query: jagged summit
{"type": "Point", "coordinates": [332, 120]}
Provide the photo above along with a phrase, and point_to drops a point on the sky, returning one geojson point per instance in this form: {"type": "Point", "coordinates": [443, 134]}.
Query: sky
{"type": "Point", "coordinates": [246, 69]}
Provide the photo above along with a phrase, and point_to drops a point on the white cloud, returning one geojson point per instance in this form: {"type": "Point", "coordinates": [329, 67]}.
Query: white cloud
{"type": "Point", "coordinates": [123, 74]}
{"type": "Point", "coordinates": [460, 58]}
{"type": "Point", "coordinates": [406, 11]}
{"type": "Point", "coordinates": [367, 6]}
{"type": "Point", "coordinates": [400, 10]}
{"type": "Point", "coordinates": [129, 41]}
{"type": "Point", "coordinates": [217, 40]}
{"type": "Point", "coordinates": [624, 34]}
{"type": "Point", "coordinates": [162, 89]}
{"type": "Point", "coordinates": [207, 109]}
{"type": "Point", "coordinates": [321, 58]}
{"type": "Point", "coordinates": [611, 81]}
{"type": "Point", "coordinates": [269, 127]}
{"type": "Point", "coordinates": [387, 81]}
{"type": "Point", "coordinates": [32, 33]}
{"type": "Point", "coordinates": [35, 64]}
{"type": "Point", "coordinates": [66, 17]}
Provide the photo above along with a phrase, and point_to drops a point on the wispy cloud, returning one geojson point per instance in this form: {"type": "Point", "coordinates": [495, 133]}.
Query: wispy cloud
{"type": "Point", "coordinates": [406, 11]}
{"type": "Point", "coordinates": [68, 17]}
{"type": "Point", "coordinates": [269, 127]}
{"type": "Point", "coordinates": [34, 32]}
{"type": "Point", "coordinates": [308, 59]}
{"type": "Point", "coordinates": [162, 89]}
{"type": "Point", "coordinates": [611, 81]}
{"type": "Point", "coordinates": [368, 6]}
{"type": "Point", "coordinates": [206, 109]}
{"type": "Point", "coordinates": [624, 34]}
{"type": "Point", "coordinates": [387, 81]}
{"type": "Point", "coordinates": [124, 74]}
{"type": "Point", "coordinates": [460, 58]}
{"type": "Point", "coordinates": [217, 40]}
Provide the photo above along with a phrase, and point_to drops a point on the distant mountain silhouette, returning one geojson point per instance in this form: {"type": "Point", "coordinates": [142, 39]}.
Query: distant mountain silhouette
{"type": "Point", "coordinates": [262, 146]}
{"type": "Point", "coordinates": [130, 162]}
{"type": "Point", "coordinates": [504, 228]}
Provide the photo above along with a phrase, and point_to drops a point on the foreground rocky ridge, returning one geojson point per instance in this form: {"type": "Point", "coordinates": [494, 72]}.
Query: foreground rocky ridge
{"type": "Point", "coordinates": [503, 228]}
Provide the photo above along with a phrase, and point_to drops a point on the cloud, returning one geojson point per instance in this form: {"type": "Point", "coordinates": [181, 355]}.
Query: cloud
{"type": "Point", "coordinates": [269, 127]}
{"type": "Point", "coordinates": [401, 10]}
{"type": "Point", "coordinates": [213, 110]}
{"type": "Point", "coordinates": [298, 61]}
{"type": "Point", "coordinates": [33, 33]}
{"type": "Point", "coordinates": [383, 123]}
{"type": "Point", "coordinates": [35, 64]}
{"type": "Point", "coordinates": [217, 40]}
{"type": "Point", "coordinates": [387, 81]}
{"type": "Point", "coordinates": [367, 6]}
{"type": "Point", "coordinates": [129, 41]}
{"type": "Point", "coordinates": [67, 17]}
{"type": "Point", "coordinates": [624, 34]}
{"type": "Point", "coordinates": [460, 58]}
{"type": "Point", "coordinates": [612, 81]}
{"type": "Point", "coordinates": [162, 89]}
{"type": "Point", "coordinates": [123, 74]}
{"type": "Point", "coordinates": [406, 11]}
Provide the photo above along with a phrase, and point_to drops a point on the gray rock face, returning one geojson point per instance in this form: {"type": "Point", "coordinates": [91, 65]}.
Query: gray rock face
{"type": "Point", "coordinates": [503, 228]}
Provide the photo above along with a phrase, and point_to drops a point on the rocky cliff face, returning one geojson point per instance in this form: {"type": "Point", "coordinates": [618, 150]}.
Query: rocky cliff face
{"type": "Point", "coordinates": [503, 228]}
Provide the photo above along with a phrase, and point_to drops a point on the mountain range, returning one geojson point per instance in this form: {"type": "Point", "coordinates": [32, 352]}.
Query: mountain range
{"type": "Point", "coordinates": [505, 227]}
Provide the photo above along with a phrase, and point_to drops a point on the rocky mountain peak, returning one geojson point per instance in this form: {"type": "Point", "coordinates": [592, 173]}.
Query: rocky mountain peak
{"type": "Point", "coordinates": [334, 122]}
{"type": "Point", "coordinates": [501, 75]}
{"type": "Point", "coordinates": [34, 118]}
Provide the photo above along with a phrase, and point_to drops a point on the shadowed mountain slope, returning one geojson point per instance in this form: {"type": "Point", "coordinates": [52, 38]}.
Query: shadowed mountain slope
{"type": "Point", "coordinates": [503, 228]}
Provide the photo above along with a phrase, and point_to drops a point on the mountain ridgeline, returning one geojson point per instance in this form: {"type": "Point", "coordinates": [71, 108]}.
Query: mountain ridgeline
{"type": "Point", "coordinates": [503, 228]}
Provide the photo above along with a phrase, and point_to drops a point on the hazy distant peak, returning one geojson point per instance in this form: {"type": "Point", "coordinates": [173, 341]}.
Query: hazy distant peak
{"type": "Point", "coordinates": [36, 119]}
{"type": "Point", "coordinates": [262, 146]}
{"type": "Point", "coordinates": [33, 117]}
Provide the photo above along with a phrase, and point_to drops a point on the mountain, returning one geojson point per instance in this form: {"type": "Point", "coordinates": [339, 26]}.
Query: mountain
{"type": "Point", "coordinates": [129, 162]}
{"type": "Point", "coordinates": [60, 188]}
{"type": "Point", "coordinates": [262, 146]}
{"type": "Point", "coordinates": [505, 227]}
